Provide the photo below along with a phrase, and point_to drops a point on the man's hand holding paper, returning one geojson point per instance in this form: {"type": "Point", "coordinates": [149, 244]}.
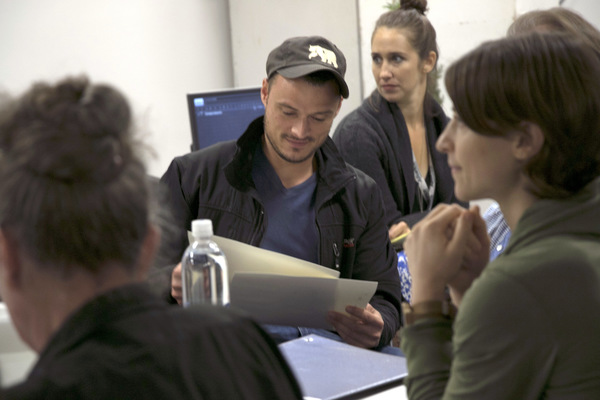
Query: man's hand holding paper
{"type": "Point", "coordinates": [278, 289]}
{"type": "Point", "coordinates": [361, 328]}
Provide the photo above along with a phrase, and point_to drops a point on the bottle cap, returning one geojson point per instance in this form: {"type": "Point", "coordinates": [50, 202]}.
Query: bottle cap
{"type": "Point", "coordinates": [202, 228]}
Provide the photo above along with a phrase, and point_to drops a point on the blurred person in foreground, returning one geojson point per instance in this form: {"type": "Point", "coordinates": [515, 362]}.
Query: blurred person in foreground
{"type": "Point", "coordinates": [76, 241]}
{"type": "Point", "coordinates": [525, 134]}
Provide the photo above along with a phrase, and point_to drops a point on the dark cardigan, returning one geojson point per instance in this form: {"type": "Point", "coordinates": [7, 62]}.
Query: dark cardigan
{"type": "Point", "coordinates": [374, 138]}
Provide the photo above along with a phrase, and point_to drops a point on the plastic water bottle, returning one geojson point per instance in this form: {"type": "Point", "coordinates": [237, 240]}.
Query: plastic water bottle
{"type": "Point", "coordinates": [204, 269]}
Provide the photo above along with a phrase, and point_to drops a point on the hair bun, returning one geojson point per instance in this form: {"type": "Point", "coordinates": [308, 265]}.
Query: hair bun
{"type": "Point", "coordinates": [419, 5]}
{"type": "Point", "coordinates": [75, 131]}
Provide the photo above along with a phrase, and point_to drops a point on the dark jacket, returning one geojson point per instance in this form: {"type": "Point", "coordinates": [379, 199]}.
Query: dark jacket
{"type": "Point", "coordinates": [129, 344]}
{"type": "Point", "coordinates": [216, 183]}
{"type": "Point", "coordinates": [374, 138]}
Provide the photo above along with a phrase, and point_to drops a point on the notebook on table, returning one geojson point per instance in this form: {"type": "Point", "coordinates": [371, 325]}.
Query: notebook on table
{"type": "Point", "coordinates": [327, 369]}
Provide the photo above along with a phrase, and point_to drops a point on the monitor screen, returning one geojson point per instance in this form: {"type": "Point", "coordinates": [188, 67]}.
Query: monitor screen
{"type": "Point", "coordinates": [222, 115]}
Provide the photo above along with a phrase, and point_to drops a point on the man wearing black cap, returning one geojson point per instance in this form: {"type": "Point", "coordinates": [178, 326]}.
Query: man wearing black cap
{"type": "Point", "coordinates": [283, 186]}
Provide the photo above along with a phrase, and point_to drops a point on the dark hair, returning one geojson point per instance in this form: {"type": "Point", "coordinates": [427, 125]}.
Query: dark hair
{"type": "Point", "coordinates": [556, 19]}
{"type": "Point", "coordinates": [72, 190]}
{"type": "Point", "coordinates": [419, 32]}
{"type": "Point", "coordinates": [533, 78]}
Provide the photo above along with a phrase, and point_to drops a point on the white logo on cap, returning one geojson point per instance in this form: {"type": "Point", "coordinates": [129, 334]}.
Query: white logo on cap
{"type": "Point", "coordinates": [327, 56]}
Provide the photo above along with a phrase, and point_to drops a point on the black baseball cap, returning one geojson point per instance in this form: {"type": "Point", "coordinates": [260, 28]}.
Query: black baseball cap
{"type": "Point", "coordinates": [303, 55]}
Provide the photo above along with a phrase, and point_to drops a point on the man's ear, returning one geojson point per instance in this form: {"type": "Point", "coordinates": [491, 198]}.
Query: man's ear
{"type": "Point", "coordinates": [147, 251]}
{"type": "Point", "coordinates": [528, 141]}
{"type": "Point", "coordinates": [264, 92]}
{"type": "Point", "coordinates": [10, 263]}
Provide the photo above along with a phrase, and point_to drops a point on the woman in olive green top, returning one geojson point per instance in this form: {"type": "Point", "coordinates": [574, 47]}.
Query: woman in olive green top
{"type": "Point", "coordinates": [524, 133]}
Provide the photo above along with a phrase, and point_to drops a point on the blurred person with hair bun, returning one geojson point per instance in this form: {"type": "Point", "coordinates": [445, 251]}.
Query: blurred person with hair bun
{"type": "Point", "coordinates": [76, 241]}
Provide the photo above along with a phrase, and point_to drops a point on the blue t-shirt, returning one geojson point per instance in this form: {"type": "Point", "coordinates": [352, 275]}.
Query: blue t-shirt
{"type": "Point", "coordinates": [290, 213]}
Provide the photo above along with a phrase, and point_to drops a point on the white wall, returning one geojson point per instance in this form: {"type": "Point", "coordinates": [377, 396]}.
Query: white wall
{"type": "Point", "coordinates": [154, 50]}
{"type": "Point", "coordinates": [590, 9]}
{"type": "Point", "coordinates": [158, 50]}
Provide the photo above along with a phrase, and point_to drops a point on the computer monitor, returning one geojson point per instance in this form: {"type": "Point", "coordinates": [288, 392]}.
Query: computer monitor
{"type": "Point", "coordinates": [221, 115]}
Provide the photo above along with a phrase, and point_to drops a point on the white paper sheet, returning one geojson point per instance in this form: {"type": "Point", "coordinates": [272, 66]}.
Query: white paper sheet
{"type": "Point", "coordinates": [242, 257]}
{"type": "Point", "coordinates": [297, 300]}
{"type": "Point", "coordinates": [278, 289]}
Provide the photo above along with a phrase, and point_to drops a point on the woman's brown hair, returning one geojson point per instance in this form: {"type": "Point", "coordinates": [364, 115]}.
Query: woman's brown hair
{"type": "Point", "coordinates": [550, 80]}
{"type": "Point", "coordinates": [72, 188]}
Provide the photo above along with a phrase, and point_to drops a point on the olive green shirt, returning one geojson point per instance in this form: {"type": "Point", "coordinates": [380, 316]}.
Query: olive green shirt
{"type": "Point", "coordinates": [529, 326]}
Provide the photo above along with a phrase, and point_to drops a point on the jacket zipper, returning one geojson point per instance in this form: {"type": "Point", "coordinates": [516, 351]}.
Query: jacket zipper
{"type": "Point", "coordinates": [336, 253]}
{"type": "Point", "coordinates": [259, 221]}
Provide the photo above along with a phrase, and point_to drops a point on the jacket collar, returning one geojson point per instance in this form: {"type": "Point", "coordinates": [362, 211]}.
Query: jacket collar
{"type": "Point", "coordinates": [87, 320]}
{"type": "Point", "coordinates": [390, 117]}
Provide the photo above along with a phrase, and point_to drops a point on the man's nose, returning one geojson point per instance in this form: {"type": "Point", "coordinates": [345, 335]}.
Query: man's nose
{"type": "Point", "coordinates": [300, 127]}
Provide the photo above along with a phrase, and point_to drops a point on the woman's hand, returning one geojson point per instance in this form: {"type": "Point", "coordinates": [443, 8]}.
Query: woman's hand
{"type": "Point", "coordinates": [436, 249]}
{"type": "Point", "coordinates": [398, 229]}
{"type": "Point", "coordinates": [476, 258]}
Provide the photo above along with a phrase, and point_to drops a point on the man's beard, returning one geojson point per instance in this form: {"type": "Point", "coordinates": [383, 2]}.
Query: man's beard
{"type": "Point", "coordinates": [279, 152]}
